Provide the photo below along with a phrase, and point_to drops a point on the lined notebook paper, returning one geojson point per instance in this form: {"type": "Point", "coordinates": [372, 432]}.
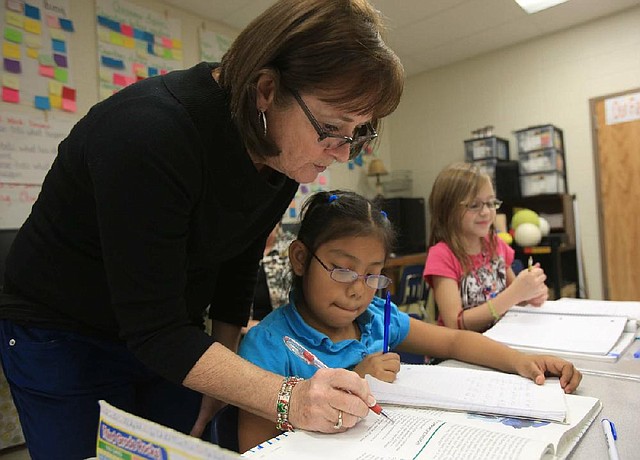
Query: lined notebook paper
{"type": "Point", "coordinates": [472, 390]}
{"type": "Point", "coordinates": [572, 333]}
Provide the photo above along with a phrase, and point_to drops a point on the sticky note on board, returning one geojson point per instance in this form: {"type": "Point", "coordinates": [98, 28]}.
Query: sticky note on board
{"type": "Point", "coordinates": [32, 12]}
{"type": "Point", "coordinates": [12, 65]}
{"type": "Point", "coordinates": [33, 26]}
{"type": "Point", "coordinates": [60, 60]}
{"type": "Point", "coordinates": [12, 35]}
{"type": "Point", "coordinates": [68, 93]}
{"type": "Point", "coordinates": [61, 74]}
{"type": "Point", "coordinates": [33, 41]}
{"type": "Point", "coordinates": [42, 103]}
{"type": "Point", "coordinates": [68, 106]}
{"type": "Point", "coordinates": [11, 50]}
{"type": "Point", "coordinates": [56, 101]}
{"type": "Point", "coordinates": [15, 5]}
{"type": "Point", "coordinates": [10, 95]}
{"type": "Point", "coordinates": [10, 81]}
{"type": "Point", "coordinates": [46, 70]}
{"type": "Point", "coordinates": [66, 24]}
{"type": "Point", "coordinates": [57, 34]}
{"type": "Point", "coordinates": [128, 42]}
{"type": "Point", "coordinates": [33, 53]}
{"type": "Point", "coordinates": [46, 59]}
{"type": "Point", "coordinates": [53, 22]}
{"type": "Point", "coordinates": [116, 38]}
{"type": "Point", "coordinates": [14, 19]}
{"type": "Point", "coordinates": [55, 88]}
{"type": "Point", "coordinates": [58, 45]}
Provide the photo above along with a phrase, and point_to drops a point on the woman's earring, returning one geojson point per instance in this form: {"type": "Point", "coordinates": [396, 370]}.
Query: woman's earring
{"type": "Point", "coordinates": [262, 119]}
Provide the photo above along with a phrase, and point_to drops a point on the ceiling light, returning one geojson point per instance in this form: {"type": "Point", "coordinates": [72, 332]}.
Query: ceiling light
{"type": "Point", "coordinates": [533, 6]}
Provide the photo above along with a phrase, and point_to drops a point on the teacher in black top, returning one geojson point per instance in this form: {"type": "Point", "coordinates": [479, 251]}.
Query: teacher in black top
{"type": "Point", "coordinates": [158, 206]}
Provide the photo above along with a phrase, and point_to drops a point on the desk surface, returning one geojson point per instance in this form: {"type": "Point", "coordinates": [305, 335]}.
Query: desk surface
{"type": "Point", "coordinates": [620, 404]}
{"type": "Point", "coordinates": [627, 367]}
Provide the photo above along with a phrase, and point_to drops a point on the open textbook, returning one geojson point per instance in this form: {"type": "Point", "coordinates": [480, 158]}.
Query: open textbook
{"type": "Point", "coordinates": [472, 390]}
{"type": "Point", "coordinates": [432, 434]}
{"type": "Point", "coordinates": [593, 330]}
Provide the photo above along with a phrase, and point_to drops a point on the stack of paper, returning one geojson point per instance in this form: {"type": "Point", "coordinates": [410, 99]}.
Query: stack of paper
{"type": "Point", "coordinates": [472, 390]}
{"type": "Point", "coordinates": [588, 329]}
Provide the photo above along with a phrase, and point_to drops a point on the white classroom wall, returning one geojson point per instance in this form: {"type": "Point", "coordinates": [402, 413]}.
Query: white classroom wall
{"type": "Point", "coordinates": [548, 80]}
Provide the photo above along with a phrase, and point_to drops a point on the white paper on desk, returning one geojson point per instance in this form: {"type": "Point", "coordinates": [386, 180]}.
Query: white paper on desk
{"type": "Point", "coordinates": [582, 334]}
{"type": "Point", "coordinates": [472, 390]}
{"type": "Point", "coordinates": [568, 306]}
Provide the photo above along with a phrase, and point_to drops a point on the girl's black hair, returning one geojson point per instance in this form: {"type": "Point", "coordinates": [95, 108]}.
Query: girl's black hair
{"type": "Point", "coordinates": [328, 216]}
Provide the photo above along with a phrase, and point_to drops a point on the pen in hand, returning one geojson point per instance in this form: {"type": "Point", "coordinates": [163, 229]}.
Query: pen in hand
{"type": "Point", "coordinates": [311, 359]}
{"type": "Point", "coordinates": [530, 264]}
{"type": "Point", "coordinates": [610, 435]}
{"type": "Point", "coordinates": [387, 323]}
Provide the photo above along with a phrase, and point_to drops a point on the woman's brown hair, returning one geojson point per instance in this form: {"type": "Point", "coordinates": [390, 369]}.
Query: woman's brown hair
{"type": "Point", "coordinates": [456, 184]}
{"type": "Point", "coordinates": [332, 48]}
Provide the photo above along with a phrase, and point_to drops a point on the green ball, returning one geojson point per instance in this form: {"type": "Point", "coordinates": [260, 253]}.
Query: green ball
{"type": "Point", "coordinates": [525, 216]}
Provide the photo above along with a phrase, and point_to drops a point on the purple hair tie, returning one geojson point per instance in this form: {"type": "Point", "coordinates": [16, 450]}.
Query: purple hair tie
{"type": "Point", "coordinates": [332, 198]}
{"type": "Point", "coordinates": [384, 214]}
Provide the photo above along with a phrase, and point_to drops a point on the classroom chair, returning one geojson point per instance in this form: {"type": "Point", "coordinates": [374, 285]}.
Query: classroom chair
{"type": "Point", "coordinates": [224, 428]}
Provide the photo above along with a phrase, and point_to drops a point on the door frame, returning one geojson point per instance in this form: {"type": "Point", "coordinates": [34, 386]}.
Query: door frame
{"type": "Point", "coordinates": [604, 272]}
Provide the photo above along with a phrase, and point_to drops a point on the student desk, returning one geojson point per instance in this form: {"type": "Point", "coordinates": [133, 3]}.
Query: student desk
{"type": "Point", "coordinates": [627, 367]}
{"type": "Point", "coordinates": [621, 404]}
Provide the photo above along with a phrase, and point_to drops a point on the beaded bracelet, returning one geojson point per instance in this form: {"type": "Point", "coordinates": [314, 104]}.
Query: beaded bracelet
{"type": "Point", "coordinates": [282, 403]}
{"type": "Point", "coordinates": [493, 311]}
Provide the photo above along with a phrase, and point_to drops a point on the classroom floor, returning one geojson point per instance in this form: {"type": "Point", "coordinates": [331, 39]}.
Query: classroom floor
{"type": "Point", "coordinates": [15, 453]}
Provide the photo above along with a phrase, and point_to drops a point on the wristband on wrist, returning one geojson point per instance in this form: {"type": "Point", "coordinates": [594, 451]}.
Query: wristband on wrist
{"type": "Point", "coordinates": [282, 403]}
{"type": "Point", "coordinates": [461, 324]}
{"type": "Point", "coordinates": [493, 311]}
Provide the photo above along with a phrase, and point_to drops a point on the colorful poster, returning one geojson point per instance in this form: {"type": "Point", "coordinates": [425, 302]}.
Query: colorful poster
{"type": "Point", "coordinates": [36, 70]}
{"type": "Point", "coordinates": [134, 43]}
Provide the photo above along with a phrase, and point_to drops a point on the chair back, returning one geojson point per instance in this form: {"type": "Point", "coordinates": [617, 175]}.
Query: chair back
{"type": "Point", "coordinates": [224, 428]}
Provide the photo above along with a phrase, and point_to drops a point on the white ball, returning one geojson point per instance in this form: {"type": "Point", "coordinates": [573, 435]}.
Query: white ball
{"type": "Point", "coordinates": [545, 228]}
{"type": "Point", "coordinates": [528, 234]}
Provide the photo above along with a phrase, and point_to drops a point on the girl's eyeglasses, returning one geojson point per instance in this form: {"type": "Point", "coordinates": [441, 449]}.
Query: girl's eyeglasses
{"type": "Point", "coordinates": [344, 275]}
{"type": "Point", "coordinates": [477, 205]}
{"type": "Point", "coordinates": [361, 136]}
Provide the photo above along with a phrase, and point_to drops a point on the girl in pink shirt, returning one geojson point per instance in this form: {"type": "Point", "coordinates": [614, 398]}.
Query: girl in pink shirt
{"type": "Point", "coordinates": [468, 267]}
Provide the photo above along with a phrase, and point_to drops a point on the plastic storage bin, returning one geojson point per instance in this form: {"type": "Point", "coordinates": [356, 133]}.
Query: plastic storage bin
{"type": "Point", "coordinates": [539, 137]}
{"type": "Point", "coordinates": [541, 161]}
{"type": "Point", "coordinates": [486, 147]}
{"type": "Point", "coordinates": [543, 183]}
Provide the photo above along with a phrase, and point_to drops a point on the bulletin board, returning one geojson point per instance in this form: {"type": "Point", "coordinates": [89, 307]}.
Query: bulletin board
{"type": "Point", "coordinates": [36, 67]}
{"type": "Point", "coordinates": [213, 45]}
{"type": "Point", "coordinates": [28, 146]}
{"type": "Point", "coordinates": [322, 183]}
{"type": "Point", "coordinates": [134, 43]}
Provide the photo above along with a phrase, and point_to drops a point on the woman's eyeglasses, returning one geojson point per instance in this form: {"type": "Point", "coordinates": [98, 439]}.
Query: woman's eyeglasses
{"type": "Point", "coordinates": [361, 135]}
{"type": "Point", "coordinates": [477, 205]}
{"type": "Point", "coordinates": [344, 275]}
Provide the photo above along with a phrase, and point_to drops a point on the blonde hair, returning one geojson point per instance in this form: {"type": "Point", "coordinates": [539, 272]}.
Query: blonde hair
{"type": "Point", "coordinates": [333, 48]}
{"type": "Point", "coordinates": [456, 184]}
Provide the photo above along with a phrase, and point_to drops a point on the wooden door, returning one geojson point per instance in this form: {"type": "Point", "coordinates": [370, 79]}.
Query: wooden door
{"type": "Point", "coordinates": [616, 128]}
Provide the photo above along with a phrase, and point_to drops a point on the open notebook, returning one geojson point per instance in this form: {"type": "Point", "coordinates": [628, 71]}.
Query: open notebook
{"type": "Point", "coordinates": [434, 434]}
{"type": "Point", "coordinates": [594, 330]}
{"type": "Point", "coordinates": [472, 390]}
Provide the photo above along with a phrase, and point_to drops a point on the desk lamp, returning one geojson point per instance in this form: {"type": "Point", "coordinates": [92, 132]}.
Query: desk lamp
{"type": "Point", "coordinates": [376, 168]}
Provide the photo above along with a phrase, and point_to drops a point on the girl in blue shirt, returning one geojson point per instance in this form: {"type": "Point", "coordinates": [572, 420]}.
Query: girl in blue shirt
{"type": "Point", "coordinates": [337, 260]}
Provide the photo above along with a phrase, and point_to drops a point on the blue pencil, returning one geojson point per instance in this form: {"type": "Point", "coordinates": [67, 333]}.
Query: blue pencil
{"type": "Point", "coordinates": [387, 323]}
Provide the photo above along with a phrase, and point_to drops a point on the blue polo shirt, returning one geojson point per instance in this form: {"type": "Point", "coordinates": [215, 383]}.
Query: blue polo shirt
{"type": "Point", "coordinates": [263, 344]}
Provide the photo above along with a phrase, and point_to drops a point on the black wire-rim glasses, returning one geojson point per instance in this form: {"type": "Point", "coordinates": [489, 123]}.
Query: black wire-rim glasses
{"type": "Point", "coordinates": [361, 135]}
{"type": "Point", "coordinates": [344, 275]}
